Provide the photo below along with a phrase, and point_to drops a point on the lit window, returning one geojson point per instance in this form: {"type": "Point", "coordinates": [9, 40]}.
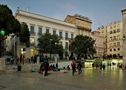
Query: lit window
{"type": "Point", "coordinates": [32, 40]}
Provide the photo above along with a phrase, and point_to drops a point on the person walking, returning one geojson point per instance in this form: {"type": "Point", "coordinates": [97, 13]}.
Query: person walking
{"type": "Point", "coordinates": [41, 68]}
{"type": "Point", "coordinates": [79, 67]}
{"type": "Point", "coordinates": [73, 65]}
{"type": "Point", "coordinates": [46, 66]}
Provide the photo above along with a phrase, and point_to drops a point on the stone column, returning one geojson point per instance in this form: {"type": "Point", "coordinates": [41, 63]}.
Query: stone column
{"type": "Point", "coordinates": [124, 35]}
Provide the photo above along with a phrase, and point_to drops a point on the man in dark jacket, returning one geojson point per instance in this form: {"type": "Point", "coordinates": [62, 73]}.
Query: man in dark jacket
{"type": "Point", "coordinates": [46, 66]}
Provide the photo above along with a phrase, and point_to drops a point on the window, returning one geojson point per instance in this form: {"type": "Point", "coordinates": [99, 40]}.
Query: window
{"type": "Point", "coordinates": [60, 34]}
{"type": "Point", "coordinates": [114, 31]}
{"type": "Point", "coordinates": [118, 43]}
{"type": "Point", "coordinates": [114, 44]}
{"type": "Point", "coordinates": [66, 35]}
{"type": "Point", "coordinates": [110, 50]}
{"type": "Point", "coordinates": [114, 49]}
{"type": "Point", "coordinates": [47, 30]}
{"type": "Point", "coordinates": [110, 38]}
{"type": "Point", "coordinates": [39, 30]}
{"type": "Point", "coordinates": [54, 32]}
{"type": "Point", "coordinates": [71, 36]}
{"type": "Point", "coordinates": [118, 30]}
{"type": "Point", "coordinates": [32, 29]}
{"type": "Point", "coordinates": [110, 32]}
{"type": "Point", "coordinates": [114, 38]}
{"type": "Point", "coordinates": [118, 49]}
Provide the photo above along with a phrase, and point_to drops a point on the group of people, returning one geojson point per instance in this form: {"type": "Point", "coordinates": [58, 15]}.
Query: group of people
{"type": "Point", "coordinates": [44, 67]}
{"type": "Point", "coordinates": [99, 65]}
{"type": "Point", "coordinates": [75, 66]}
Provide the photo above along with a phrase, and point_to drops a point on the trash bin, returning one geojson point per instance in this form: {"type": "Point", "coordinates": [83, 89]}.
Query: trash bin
{"type": "Point", "coordinates": [19, 67]}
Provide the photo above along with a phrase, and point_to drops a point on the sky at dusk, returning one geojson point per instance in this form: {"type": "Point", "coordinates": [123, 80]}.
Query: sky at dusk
{"type": "Point", "coordinates": [101, 12]}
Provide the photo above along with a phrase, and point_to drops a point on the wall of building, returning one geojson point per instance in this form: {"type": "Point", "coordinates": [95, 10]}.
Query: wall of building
{"type": "Point", "coordinates": [37, 21]}
{"type": "Point", "coordinates": [98, 43]}
{"type": "Point", "coordinates": [115, 38]}
{"type": "Point", "coordinates": [124, 35]}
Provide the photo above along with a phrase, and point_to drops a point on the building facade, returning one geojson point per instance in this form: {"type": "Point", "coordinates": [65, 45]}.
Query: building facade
{"type": "Point", "coordinates": [124, 35]}
{"type": "Point", "coordinates": [98, 43]}
{"type": "Point", "coordinates": [103, 32]}
{"type": "Point", "coordinates": [115, 39]}
{"type": "Point", "coordinates": [38, 25]}
{"type": "Point", "coordinates": [82, 23]}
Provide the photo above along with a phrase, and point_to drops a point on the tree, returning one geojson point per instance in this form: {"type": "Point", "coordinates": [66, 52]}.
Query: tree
{"type": "Point", "coordinates": [8, 24]}
{"type": "Point", "coordinates": [7, 21]}
{"type": "Point", "coordinates": [50, 44]}
{"type": "Point", "coordinates": [24, 35]}
{"type": "Point", "coordinates": [83, 46]}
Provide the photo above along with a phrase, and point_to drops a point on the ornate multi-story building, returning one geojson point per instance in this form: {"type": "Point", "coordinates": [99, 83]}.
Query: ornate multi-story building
{"type": "Point", "coordinates": [39, 24]}
{"type": "Point", "coordinates": [82, 23]}
{"type": "Point", "coordinates": [115, 39]}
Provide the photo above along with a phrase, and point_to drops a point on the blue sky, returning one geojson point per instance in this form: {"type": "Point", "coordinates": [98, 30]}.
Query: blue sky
{"type": "Point", "coordinates": [101, 12]}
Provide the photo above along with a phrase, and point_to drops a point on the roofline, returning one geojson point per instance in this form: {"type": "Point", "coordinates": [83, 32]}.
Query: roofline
{"type": "Point", "coordinates": [41, 17]}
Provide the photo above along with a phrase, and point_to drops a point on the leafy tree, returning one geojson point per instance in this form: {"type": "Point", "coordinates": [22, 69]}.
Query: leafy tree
{"type": "Point", "coordinates": [7, 21]}
{"type": "Point", "coordinates": [50, 44]}
{"type": "Point", "coordinates": [83, 46]}
{"type": "Point", "coordinates": [8, 24]}
{"type": "Point", "coordinates": [24, 35]}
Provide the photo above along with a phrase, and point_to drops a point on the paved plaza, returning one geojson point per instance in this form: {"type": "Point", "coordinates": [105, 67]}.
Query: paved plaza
{"type": "Point", "coordinates": [90, 79]}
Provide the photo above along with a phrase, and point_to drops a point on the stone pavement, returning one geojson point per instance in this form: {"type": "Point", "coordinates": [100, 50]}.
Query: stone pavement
{"type": "Point", "coordinates": [90, 79]}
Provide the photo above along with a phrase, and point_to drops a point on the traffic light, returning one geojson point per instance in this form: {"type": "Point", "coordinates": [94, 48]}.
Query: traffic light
{"type": "Point", "coordinates": [2, 32]}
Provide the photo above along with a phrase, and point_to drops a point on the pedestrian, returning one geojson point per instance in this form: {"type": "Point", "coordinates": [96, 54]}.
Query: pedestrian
{"type": "Point", "coordinates": [103, 66]}
{"type": "Point", "coordinates": [35, 59]}
{"type": "Point", "coordinates": [73, 65]}
{"type": "Point", "coordinates": [46, 66]}
{"type": "Point", "coordinates": [41, 68]}
{"type": "Point", "coordinates": [79, 67]}
{"type": "Point", "coordinates": [56, 66]}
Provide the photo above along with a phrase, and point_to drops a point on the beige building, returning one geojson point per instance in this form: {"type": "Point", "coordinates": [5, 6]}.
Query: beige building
{"type": "Point", "coordinates": [103, 32]}
{"type": "Point", "coordinates": [39, 24]}
{"type": "Point", "coordinates": [124, 35]}
{"type": "Point", "coordinates": [83, 24]}
{"type": "Point", "coordinates": [98, 43]}
{"type": "Point", "coordinates": [115, 39]}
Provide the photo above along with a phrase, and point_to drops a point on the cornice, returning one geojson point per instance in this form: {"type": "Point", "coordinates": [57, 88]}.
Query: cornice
{"type": "Point", "coordinates": [41, 17]}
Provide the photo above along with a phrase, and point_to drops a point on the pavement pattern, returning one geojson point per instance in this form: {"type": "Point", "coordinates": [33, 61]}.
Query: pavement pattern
{"type": "Point", "coordinates": [89, 79]}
